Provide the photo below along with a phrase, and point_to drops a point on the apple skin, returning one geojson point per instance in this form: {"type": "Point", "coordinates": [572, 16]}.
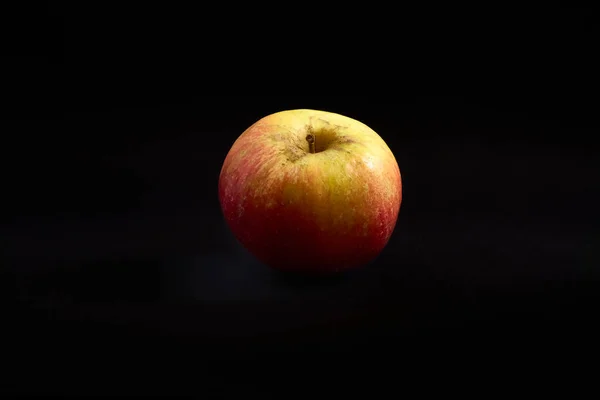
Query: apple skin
{"type": "Point", "coordinates": [322, 212]}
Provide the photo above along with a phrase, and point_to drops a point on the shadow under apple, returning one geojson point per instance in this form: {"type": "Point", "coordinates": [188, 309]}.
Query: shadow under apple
{"type": "Point", "coordinates": [312, 280]}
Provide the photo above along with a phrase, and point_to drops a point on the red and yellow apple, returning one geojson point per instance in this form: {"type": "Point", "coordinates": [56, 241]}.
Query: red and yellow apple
{"type": "Point", "coordinates": [311, 191]}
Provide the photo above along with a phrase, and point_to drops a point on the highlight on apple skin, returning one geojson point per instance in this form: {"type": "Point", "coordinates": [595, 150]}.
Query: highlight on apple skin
{"type": "Point", "coordinates": [311, 191]}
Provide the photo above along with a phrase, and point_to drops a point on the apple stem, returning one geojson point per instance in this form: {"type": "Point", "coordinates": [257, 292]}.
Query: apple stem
{"type": "Point", "coordinates": [310, 138]}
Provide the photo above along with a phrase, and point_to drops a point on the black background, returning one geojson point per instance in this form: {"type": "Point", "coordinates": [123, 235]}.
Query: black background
{"type": "Point", "coordinates": [120, 275]}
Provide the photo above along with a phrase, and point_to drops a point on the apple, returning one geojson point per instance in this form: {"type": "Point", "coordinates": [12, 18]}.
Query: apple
{"type": "Point", "coordinates": [311, 191]}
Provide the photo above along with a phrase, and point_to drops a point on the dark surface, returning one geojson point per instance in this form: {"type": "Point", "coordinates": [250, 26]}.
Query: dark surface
{"type": "Point", "coordinates": [120, 275]}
